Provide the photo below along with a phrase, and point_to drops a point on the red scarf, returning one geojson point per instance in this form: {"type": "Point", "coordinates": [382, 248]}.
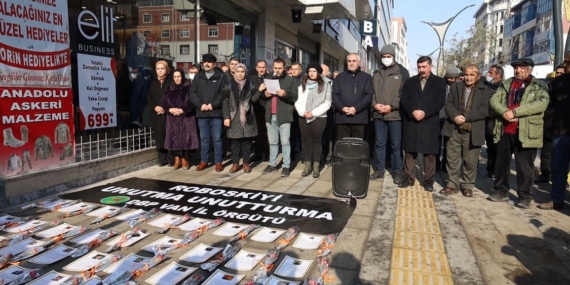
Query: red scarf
{"type": "Point", "coordinates": [514, 99]}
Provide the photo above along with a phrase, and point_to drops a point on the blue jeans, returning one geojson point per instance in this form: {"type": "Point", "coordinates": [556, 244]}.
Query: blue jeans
{"type": "Point", "coordinates": [275, 133]}
{"type": "Point", "coordinates": [210, 127]}
{"type": "Point", "coordinates": [395, 129]}
{"type": "Point", "coordinates": [559, 167]}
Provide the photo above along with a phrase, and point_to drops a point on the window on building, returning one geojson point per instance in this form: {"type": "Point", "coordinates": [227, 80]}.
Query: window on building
{"type": "Point", "coordinates": [185, 33]}
{"type": "Point", "coordinates": [146, 33]}
{"type": "Point", "coordinates": [184, 17]}
{"type": "Point", "coordinates": [213, 49]}
{"type": "Point", "coordinates": [501, 29]}
{"type": "Point", "coordinates": [165, 34]}
{"type": "Point", "coordinates": [165, 50]}
{"type": "Point", "coordinates": [184, 49]}
{"type": "Point", "coordinates": [500, 42]}
{"type": "Point", "coordinates": [147, 18]}
{"type": "Point", "coordinates": [212, 32]}
{"type": "Point", "coordinates": [165, 17]}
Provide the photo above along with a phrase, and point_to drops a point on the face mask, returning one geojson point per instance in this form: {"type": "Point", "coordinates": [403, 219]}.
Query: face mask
{"type": "Point", "coordinates": [490, 79]}
{"type": "Point", "coordinates": [133, 76]}
{"type": "Point", "coordinates": [191, 76]}
{"type": "Point", "coordinates": [387, 61]}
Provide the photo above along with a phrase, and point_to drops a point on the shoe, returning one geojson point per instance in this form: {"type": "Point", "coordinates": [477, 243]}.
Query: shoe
{"type": "Point", "coordinates": [541, 179]}
{"type": "Point", "coordinates": [269, 169]}
{"type": "Point", "coordinates": [498, 197]}
{"type": "Point", "coordinates": [428, 185]}
{"type": "Point", "coordinates": [246, 168]}
{"type": "Point", "coordinates": [448, 191]}
{"type": "Point", "coordinates": [202, 166]}
{"type": "Point", "coordinates": [219, 167]}
{"type": "Point", "coordinates": [378, 174]}
{"type": "Point", "coordinates": [398, 177]}
{"type": "Point", "coordinates": [491, 175]}
{"type": "Point", "coordinates": [328, 162]}
{"type": "Point", "coordinates": [177, 163]}
{"type": "Point", "coordinates": [467, 193]}
{"type": "Point", "coordinates": [308, 169]}
{"type": "Point", "coordinates": [234, 168]}
{"type": "Point", "coordinates": [285, 172]}
{"type": "Point", "coordinates": [316, 172]}
{"type": "Point", "coordinates": [406, 183]}
{"type": "Point", "coordinates": [185, 164]}
{"type": "Point", "coordinates": [163, 164]}
{"type": "Point", "coordinates": [551, 206]}
{"type": "Point", "coordinates": [523, 203]}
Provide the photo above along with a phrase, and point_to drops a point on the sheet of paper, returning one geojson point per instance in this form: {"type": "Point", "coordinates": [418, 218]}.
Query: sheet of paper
{"type": "Point", "coordinates": [307, 241]}
{"type": "Point", "coordinates": [293, 268]}
{"type": "Point", "coordinates": [12, 273]}
{"type": "Point", "coordinates": [6, 218]}
{"type": "Point", "coordinates": [132, 261]}
{"type": "Point", "coordinates": [201, 253]}
{"type": "Point", "coordinates": [193, 224]}
{"type": "Point", "coordinates": [21, 246]}
{"type": "Point", "coordinates": [57, 230]}
{"type": "Point", "coordinates": [163, 220]}
{"type": "Point", "coordinates": [245, 260]}
{"type": "Point", "coordinates": [24, 227]}
{"type": "Point", "coordinates": [223, 278]}
{"type": "Point", "coordinates": [88, 237]}
{"type": "Point", "coordinates": [274, 280]}
{"type": "Point", "coordinates": [52, 204]}
{"type": "Point", "coordinates": [130, 215]}
{"type": "Point", "coordinates": [267, 235]}
{"type": "Point", "coordinates": [87, 262]}
{"type": "Point", "coordinates": [53, 255]}
{"type": "Point", "coordinates": [229, 229]}
{"type": "Point", "coordinates": [74, 207]}
{"type": "Point", "coordinates": [130, 241]}
{"type": "Point", "coordinates": [272, 85]}
{"type": "Point", "coordinates": [171, 274]}
{"type": "Point", "coordinates": [93, 281]}
{"type": "Point", "coordinates": [102, 211]}
{"type": "Point", "coordinates": [50, 278]}
{"type": "Point", "coordinates": [163, 240]}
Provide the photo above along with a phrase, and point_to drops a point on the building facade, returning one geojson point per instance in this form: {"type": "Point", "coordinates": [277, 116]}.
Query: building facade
{"type": "Point", "coordinates": [376, 32]}
{"type": "Point", "coordinates": [491, 15]}
{"type": "Point", "coordinates": [399, 31]}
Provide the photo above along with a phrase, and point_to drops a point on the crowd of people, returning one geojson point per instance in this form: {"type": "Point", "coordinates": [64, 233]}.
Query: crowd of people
{"type": "Point", "coordinates": [446, 120]}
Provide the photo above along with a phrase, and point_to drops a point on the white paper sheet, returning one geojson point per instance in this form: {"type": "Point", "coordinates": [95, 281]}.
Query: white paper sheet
{"type": "Point", "coordinates": [130, 241]}
{"type": "Point", "coordinates": [201, 253]}
{"type": "Point", "coordinates": [87, 262]}
{"type": "Point", "coordinates": [307, 241]}
{"type": "Point", "coordinates": [130, 214]}
{"type": "Point", "coordinates": [293, 268]}
{"type": "Point", "coordinates": [229, 230]}
{"type": "Point", "coordinates": [132, 261]}
{"type": "Point", "coordinates": [53, 255]}
{"type": "Point", "coordinates": [88, 237]}
{"type": "Point", "coordinates": [6, 218]}
{"type": "Point", "coordinates": [24, 227]}
{"type": "Point", "coordinates": [274, 280]}
{"type": "Point", "coordinates": [52, 204]}
{"type": "Point", "coordinates": [12, 273]}
{"type": "Point", "coordinates": [245, 260]}
{"type": "Point", "coordinates": [267, 235]}
{"type": "Point", "coordinates": [50, 278]}
{"type": "Point", "coordinates": [21, 246]}
{"type": "Point", "coordinates": [163, 220]}
{"type": "Point", "coordinates": [74, 207]}
{"type": "Point", "coordinates": [102, 211]}
{"type": "Point", "coordinates": [57, 230]}
{"type": "Point", "coordinates": [95, 280]}
{"type": "Point", "coordinates": [272, 85]}
{"type": "Point", "coordinates": [193, 224]}
{"type": "Point", "coordinates": [222, 278]}
{"type": "Point", "coordinates": [163, 240]}
{"type": "Point", "coordinates": [171, 274]}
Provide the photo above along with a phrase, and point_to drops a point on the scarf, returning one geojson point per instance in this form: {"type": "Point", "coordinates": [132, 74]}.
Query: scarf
{"type": "Point", "coordinates": [240, 102]}
{"type": "Point", "coordinates": [514, 98]}
{"type": "Point", "coordinates": [314, 98]}
{"type": "Point", "coordinates": [240, 82]}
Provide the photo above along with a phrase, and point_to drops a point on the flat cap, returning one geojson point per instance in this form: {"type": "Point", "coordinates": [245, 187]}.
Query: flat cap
{"type": "Point", "coordinates": [452, 72]}
{"type": "Point", "coordinates": [209, 58]}
{"type": "Point", "coordinates": [522, 62]}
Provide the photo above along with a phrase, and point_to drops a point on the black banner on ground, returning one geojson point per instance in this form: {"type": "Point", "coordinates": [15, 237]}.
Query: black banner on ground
{"type": "Point", "coordinates": [279, 210]}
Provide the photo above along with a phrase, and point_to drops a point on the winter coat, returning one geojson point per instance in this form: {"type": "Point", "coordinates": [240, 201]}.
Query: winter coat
{"type": "Point", "coordinates": [155, 92]}
{"type": "Point", "coordinates": [236, 131]}
{"type": "Point", "coordinates": [284, 104]}
{"type": "Point", "coordinates": [559, 106]}
{"type": "Point", "coordinates": [321, 110]}
{"type": "Point", "coordinates": [388, 85]}
{"type": "Point", "coordinates": [352, 89]}
{"type": "Point", "coordinates": [490, 121]}
{"type": "Point", "coordinates": [422, 136]}
{"type": "Point", "coordinates": [530, 112]}
{"type": "Point", "coordinates": [181, 131]}
{"type": "Point", "coordinates": [476, 116]}
{"type": "Point", "coordinates": [208, 91]}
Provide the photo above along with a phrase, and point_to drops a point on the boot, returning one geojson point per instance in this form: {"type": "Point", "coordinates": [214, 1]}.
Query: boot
{"type": "Point", "coordinates": [24, 132]}
{"type": "Point", "coordinates": [316, 172]}
{"type": "Point", "coordinates": [308, 169]}
{"type": "Point", "coordinates": [235, 168]}
{"type": "Point", "coordinates": [177, 163]}
{"type": "Point", "coordinates": [185, 164]}
{"type": "Point", "coordinates": [10, 140]}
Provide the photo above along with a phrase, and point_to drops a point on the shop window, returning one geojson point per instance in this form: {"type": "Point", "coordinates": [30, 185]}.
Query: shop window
{"type": "Point", "coordinates": [185, 33]}
{"type": "Point", "coordinates": [184, 49]}
{"type": "Point", "coordinates": [165, 34]}
{"type": "Point", "coordinates": [212, 32]}
{"type": "Point", "coordinates": [147, 18]}
{"type": "Point", "coordinates": [165, 50]}
{"type": "Point", "coordinates": [165, 17]}
{"type": "Point", "coordinates": [213, 49]}
{"type": "Point", "coordinates": [184, 17]}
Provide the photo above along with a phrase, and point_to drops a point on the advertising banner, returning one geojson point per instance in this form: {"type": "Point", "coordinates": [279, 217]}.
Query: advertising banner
{"type": "Point", "coordinates": [36, 101]}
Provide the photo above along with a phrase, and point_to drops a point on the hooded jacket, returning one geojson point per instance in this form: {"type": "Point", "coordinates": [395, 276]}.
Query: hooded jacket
{"type": "Point", "coordinates": [388, 83]}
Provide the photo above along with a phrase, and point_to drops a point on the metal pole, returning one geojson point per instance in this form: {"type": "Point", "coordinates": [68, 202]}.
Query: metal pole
{"type": "Point", "coordinates": [196, 33]}
{"type": "Point", "coordinates": [558, 33]}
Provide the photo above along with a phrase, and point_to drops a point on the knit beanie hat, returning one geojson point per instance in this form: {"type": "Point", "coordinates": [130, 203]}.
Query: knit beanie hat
{"type": "Point", "coordinates": [388, 49]}
{"type": "Point", "coordinates": [316, 66]}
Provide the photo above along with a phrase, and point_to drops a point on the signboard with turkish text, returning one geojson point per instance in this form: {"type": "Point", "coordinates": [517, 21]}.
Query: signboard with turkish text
{"type": "Point", "coordinates": [36, 102]}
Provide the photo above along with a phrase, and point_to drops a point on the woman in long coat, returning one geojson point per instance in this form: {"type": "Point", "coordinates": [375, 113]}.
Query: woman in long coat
{"type": "Point", "coordinates": [239, 117]}
{"type": "Point", "coordinates": [181, 131]}
{"type": "Point", "coordinates": [156, 88]}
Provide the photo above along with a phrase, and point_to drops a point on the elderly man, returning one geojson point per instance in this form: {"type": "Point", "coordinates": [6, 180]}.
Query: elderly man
{"type": "Point", "coordinates": [467, 106]}
{"type": "Point", "coordinates": [493, 81]}
{"type": "Point", "coordinates": [451, 76]}
{"type": "Point", "coordinates": [521, 102]}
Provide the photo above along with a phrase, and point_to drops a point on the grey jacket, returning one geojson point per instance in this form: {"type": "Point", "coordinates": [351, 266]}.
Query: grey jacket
{"type": "Point", "coordinates": [388, 85]}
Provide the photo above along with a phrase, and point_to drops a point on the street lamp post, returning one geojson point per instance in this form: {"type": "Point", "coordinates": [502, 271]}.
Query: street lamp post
{"type": "Point", "coordinates": [441, 29]}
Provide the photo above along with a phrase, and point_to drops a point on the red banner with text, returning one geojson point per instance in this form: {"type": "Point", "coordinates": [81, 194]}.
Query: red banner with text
{"type": "Point", "coordinates": [36, 102]}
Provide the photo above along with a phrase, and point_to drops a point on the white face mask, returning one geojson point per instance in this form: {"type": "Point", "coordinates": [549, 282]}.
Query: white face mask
{"type": "Point", "coordinates": [387, 61]}
{"type": "Point", "coordinates": [191, 76]}
{"type": "Point", "coordinates": [490, 79]}
{"type": "Point", "coordinates": [133, 76]}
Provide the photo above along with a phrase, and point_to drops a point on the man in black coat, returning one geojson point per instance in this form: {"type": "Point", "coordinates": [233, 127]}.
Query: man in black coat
{"type": "Point", "coordinates": [422, 98]}
{"type": "Point", "coordinates": [351, 96]}
{"type": "Point", "coordinates": [261, 147]}
{"type": "Point", "coordinates": [492, 81]}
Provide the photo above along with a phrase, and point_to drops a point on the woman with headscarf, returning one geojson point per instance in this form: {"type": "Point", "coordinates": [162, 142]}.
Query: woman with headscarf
{"type": "Point", "coordinates": [156, 88]}
{"type": "Point", "coordinates": [181, 131]}
{"type": "Point", "coordinates": [239, 117]}
{"type": "Point", "coordinates": [312, 105]}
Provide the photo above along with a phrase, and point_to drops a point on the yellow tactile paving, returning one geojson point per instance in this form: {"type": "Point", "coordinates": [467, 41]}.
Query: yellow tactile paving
{"type": "Point", "coordinates": [418, 252]}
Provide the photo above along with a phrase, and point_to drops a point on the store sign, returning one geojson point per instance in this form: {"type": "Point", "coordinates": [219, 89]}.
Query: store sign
{"type": "Point", "coordinates": [369, 27]}
{"type": "Point", "coordinates": [370, 41]}
{"type": "Point", "coordinates": [36, 102]}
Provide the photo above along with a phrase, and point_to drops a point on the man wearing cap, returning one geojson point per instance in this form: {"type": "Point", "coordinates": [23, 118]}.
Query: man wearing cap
{"type": "Point", "coordinates": [388, 82]}
{"type": "Point", "coordinates": [206, 95]}
{"type": "Point", "coordinates": [521, 102]}
{"type": "Point", "coordinates": [451, 76]}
